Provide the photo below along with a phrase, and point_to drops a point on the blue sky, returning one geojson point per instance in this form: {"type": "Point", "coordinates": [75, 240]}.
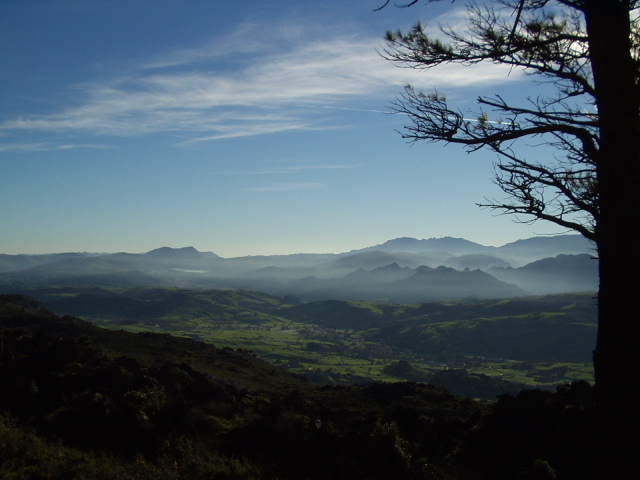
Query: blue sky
{"type": "Point", "coordinates": [239, 127]}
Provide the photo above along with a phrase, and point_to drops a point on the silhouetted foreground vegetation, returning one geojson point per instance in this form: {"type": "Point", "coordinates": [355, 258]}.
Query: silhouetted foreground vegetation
{"type": "Point", "coordinates": [78, 401]}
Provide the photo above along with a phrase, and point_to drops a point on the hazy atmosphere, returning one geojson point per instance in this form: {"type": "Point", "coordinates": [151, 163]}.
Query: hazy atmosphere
{"type": "Point", "coordinates": [257, 239]}
{"type": "Point", "coordinates": [241, 128]}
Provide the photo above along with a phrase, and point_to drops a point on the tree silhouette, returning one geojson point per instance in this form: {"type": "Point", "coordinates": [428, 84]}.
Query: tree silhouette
{"type": "Point", "coordinates": [587, 51]}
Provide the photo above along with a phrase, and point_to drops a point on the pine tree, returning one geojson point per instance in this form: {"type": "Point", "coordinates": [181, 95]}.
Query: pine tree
{"type": "Point", "coordinates": [588, 50]}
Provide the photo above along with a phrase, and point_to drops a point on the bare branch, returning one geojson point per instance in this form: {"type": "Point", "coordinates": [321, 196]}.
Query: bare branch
{"type": "Point", "coordinates": [380, 8]}
{"type": "Point", "coordinates": [562, 190]}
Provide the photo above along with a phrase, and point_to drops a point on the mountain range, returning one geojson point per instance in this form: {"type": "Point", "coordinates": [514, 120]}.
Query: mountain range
{"type": "Point", "coordinates": [403, 270]}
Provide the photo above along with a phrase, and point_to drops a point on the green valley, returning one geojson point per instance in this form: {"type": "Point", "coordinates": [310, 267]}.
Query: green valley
{"type": "Point", "coordinates": [476, 348]}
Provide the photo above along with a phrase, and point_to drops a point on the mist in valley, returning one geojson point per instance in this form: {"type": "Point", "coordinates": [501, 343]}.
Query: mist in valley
{"type": "Point", "coordinates": [403, 270]}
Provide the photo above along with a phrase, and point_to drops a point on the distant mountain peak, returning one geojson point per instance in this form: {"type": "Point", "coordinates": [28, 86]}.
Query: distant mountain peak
{"type": "Point", "coordinates": [184, 252]}
{"type": "Point", "coordinates": [443, 244]}
{"type": "Point", "coordinates": [391, 267]}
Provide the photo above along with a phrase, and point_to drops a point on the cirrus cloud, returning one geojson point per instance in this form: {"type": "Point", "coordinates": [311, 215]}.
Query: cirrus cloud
{"type": "Point", "coordinates": [231, 89]}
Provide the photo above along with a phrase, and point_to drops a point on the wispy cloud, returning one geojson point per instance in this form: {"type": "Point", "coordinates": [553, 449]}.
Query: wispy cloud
{"type": "Point", "coordinates": [46, 146]}
{"type": "Point", "coordinates": [285, 187]}
{"type": "Point", "coordinates": [288, 169]}
{"type": "Point", "coordinates": [231, 89]}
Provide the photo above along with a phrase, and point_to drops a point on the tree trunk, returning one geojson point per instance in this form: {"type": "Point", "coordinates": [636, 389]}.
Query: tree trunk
{"type": "Point", "coordinates": [617, 353]}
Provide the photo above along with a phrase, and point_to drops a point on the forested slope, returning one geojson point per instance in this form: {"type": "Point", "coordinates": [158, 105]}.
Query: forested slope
{"type": "Point", "coordinates": [78, 401]}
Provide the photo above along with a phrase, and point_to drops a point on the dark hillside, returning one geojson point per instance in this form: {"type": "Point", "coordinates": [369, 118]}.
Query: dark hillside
{"type": "Point", "coordinates": [237, 367]}
{"type": "Point", "coordinates": [554, 328]}
{"type": "Point", "coordinates": [77, 401]}
{"type": "Point", "coordinates": [336, 314]}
